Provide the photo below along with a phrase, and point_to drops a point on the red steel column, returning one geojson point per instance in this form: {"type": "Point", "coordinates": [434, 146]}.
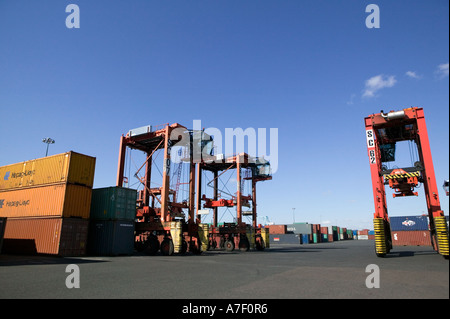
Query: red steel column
{"type": "Point", "coordinates": [254, 201]}
{"type": "Point", "coordinates": [192, 167]}
{"type": "Point", "coordinates": [429, 179]}
{"type": "Point", "coordinates": [166, 178]}
{"type": "Point", "coordinates": [379, 193]}
{"type": "Point", "coordinates": [199, 191]}
{"type": "Point", "coordinates": [121, 162]}
{"type": "Point", "coordinates": [216, 197]}
{"type": "Point", "coordinates": [238, 193]}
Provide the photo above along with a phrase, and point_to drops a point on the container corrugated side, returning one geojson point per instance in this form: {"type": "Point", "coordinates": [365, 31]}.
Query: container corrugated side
{"type": "Point", "coordinates": [409, 223]}
{"type": "Point", "coordinates": [304, 238]}
{"type": "Point", "coordinates": [81, 169]}
{"type": "Point", "coordinates": [63, 200]}
{"type": "Point", "coordinates": [411, 238]}
{"type": "Point", "coordinates": [284, 239]}
{"type": "Point", "coordinates": [50, 236]}
{"type": "Point", "coordinates": [299, 228]}
{"type": "Point", "coordinates": [113, 203]}
{"type": "Point", "coordinates": [111, 237]}
{"type": "Point", "coordinates": [68, 167]}
{"type": "Point", "coordinates": [2, 231]}
{"type": "Point", "coordinates": [277, 229]}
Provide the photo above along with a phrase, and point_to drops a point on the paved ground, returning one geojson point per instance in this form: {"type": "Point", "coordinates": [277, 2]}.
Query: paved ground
{"type": "Point", "coordinates": [317, 271]}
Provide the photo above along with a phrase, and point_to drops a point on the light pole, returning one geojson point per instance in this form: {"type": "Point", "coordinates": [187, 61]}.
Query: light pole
{"type": "Point", "coordinates": [48, 141]}
{"type": "Point", "coordinates": [293, 215]}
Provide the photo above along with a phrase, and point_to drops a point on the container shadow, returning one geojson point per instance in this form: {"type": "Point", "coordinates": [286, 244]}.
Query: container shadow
{"type": "Point", "coordinates": [409, 253]}
{"type": "Point", "coordinates": [21, 260]}
{"type": "Point", "coordinates": [305, 248]}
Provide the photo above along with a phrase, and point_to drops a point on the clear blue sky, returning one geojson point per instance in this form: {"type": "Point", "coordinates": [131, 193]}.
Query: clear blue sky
{"type": "Point", "coordinates": [299, 66]}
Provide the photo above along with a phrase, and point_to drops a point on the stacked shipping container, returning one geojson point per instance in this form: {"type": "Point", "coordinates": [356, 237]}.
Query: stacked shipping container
{"type": "Point", "coordinates": [410, 231]}
{"type": "Point", "coordinates": [2, 231]}
{"type": "Point", "coordinates": [111, 229]}
{"type": "Point", "coordinates": [363, 234]}
{"type": "Point", "coordinates": [47, 203]}
{"type": "Point", "coordinates": [315, 233]}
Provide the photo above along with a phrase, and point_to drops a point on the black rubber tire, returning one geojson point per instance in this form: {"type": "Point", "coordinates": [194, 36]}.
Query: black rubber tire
{"type": "Point", "coordinates": [260, 244]}
{"type": "Point", "coordinates": [244, 244]}
{"type": "Point", "coordinates": [151, 245]}
{"type": "Point", "coordinates": [167, 248]}
{"type": "Point", "coordinates": [229, 245]}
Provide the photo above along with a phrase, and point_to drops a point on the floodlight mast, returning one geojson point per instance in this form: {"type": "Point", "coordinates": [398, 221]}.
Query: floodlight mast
{"type": "Point", "coordinates": [48, 141]}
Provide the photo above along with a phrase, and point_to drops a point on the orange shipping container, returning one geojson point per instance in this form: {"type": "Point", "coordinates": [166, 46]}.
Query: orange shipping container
{"type": "Point", "coordinates": [68, 167]}
{"type": "Point", "coordinates": [63, 200]}
{"type": "Point", "coordinates": [53, 236]}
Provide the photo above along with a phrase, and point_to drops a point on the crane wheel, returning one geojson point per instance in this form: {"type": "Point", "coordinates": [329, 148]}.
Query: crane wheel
{"type": "Point", "coordinates": [151, 245]}
{"type": "Point", "coordinates": [229, 245]}
{"type": "Point", "coordinates": [380, 237]}
{"type": "Point", "coordinates": [442, 235]}
{"type": "Point", "coordinates": [260, 245]}
{"type": "Point", "coordinates": [184, 247]}
{"type": "Point", "coordinates": [167, 248]}
{"type": "Point", "coordinates": [244, 244]}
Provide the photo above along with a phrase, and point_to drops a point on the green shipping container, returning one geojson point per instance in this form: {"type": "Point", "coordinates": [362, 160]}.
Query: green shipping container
{"type": "Point", "coordinates": [111, 237]}
{"type": "Point", "coordinates": [111, 203]}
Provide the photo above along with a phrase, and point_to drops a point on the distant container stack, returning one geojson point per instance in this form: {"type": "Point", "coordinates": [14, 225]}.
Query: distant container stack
{"type": "Point", "coordinates": [324, 234]}
{"type": "Point", "coordinates": [363, 234]}
{"type": "Point", "coordinates": [47, 203]}
{"type": "Point", "coordinates": [111, 229]}
{"type": "Point", "coordinates": [314, 233]}
{"type": "Point", "coordinates": [277, 229]}
{"type": "Point", "coordinates": [410, 231]}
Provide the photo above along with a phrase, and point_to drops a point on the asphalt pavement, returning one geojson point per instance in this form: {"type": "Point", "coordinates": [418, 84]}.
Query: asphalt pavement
{"type": "Point", "coordinates": [340, 270]}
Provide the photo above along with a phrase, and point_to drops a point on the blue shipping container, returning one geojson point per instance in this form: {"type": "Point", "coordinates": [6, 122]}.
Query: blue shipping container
{"type": "Point", "coordinates": [304, 239]}
{"type": "Point", "coordinates": [409, 223]}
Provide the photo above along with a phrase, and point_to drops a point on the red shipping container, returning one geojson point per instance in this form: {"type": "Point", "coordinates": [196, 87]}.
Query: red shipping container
{"type": "Point", "coordinates": [411, 238]}
{"type": "Point", "coordinates": [315, 228]}
{"type": "Point", "coordinates": [277, 229]}
{"type": "Point", "coordinates": [50, 236]}
{"type": "Point", "coordinates": [324, 230]}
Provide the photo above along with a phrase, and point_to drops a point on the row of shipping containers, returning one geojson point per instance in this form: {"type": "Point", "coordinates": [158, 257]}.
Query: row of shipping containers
{"type": "Point", "coordinates": [405, 231]}
{"type": "Point", "coordinates": [305, 233]}
{"type": "Point", "coordinates": [49, 206]}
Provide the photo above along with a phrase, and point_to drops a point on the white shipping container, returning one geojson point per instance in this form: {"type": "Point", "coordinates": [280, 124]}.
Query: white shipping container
{"type": "Point", "coordinates": [363, 237]}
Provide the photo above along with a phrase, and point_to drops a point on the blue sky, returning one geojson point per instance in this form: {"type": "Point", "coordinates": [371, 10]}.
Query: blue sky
{"type": "Point", "coordinates": [312, 69]}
